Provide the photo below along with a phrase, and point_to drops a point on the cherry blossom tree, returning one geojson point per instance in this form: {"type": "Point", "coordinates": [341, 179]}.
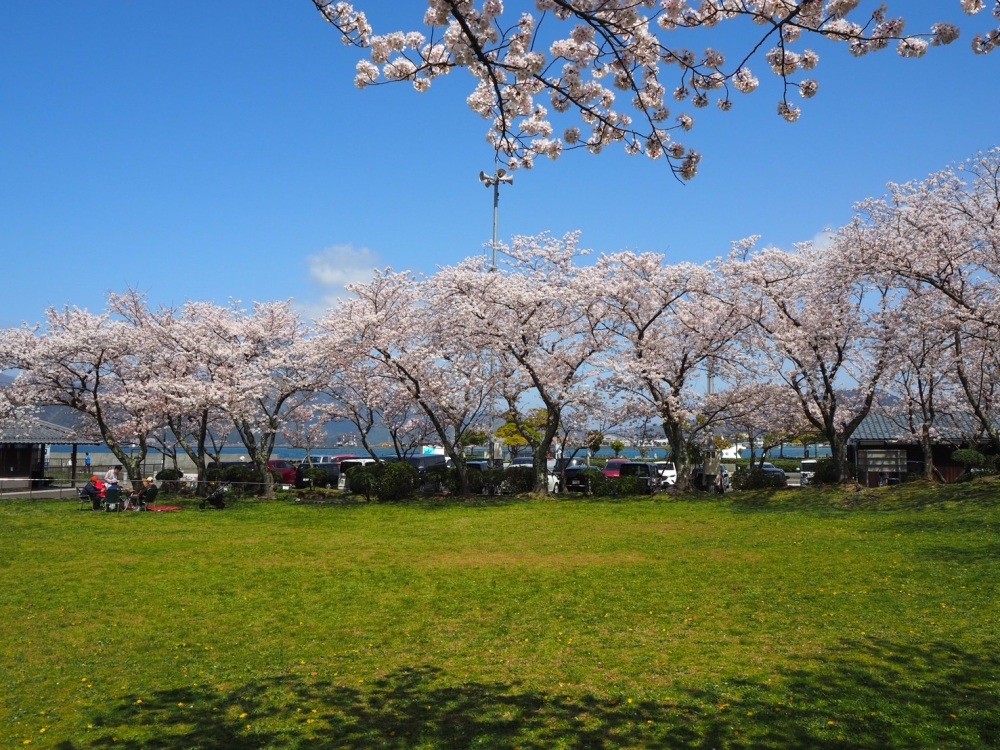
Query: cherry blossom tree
{"type": "Point", "coordinates": [765, 414]}
{"type": "Point", "coordinates": [820, 327]}
{"type": "Point", "coordinates": [186, 359]}
{"type": "Point", "coordinates": [670, 326]}
{"type": "Point", "coordinates": [259, 373]}
{"type": "Point", "coordinates": [96, 365]}
{"type": "Point", "coordinates": [921, 384]}
{"type": "Point", "coordinates": [304, 428]}
{"type": "Point", "coordinates": [610, 68]}
{"type": "Point", "coordinates": [941, 236]}
{"type": "Point", "coordinates": [537, 320]}
{"type": "Point", "coordinates": [360, 393]}
{"type": "Point", "coordinates": [399, 325]}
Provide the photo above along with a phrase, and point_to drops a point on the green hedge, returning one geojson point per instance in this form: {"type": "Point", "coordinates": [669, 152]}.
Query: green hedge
{"type": "Point", "coordinates": [755, 479]}
{"type": "Point", "coordinates": [385, 482]}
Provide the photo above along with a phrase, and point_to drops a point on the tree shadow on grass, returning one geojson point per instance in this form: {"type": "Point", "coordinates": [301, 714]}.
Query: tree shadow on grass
{"type": "Point", "coordinates": [865, 694]}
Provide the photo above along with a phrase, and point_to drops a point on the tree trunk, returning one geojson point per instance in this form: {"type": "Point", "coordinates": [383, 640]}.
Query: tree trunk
{"type": "Point", "coordinates": [838, 451]}
{"type": "Point", "coordinates": [681, 457]}
{"type": "Point", "coordinates": [926, 447]}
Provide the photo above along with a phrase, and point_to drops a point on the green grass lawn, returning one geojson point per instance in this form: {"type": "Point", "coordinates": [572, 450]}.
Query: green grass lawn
{"type": "Point", "coordinates": [808, 618]}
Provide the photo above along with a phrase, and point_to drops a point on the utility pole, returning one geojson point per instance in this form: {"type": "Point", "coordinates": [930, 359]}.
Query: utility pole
{"type": "Point", "coordinates": [493, 181]}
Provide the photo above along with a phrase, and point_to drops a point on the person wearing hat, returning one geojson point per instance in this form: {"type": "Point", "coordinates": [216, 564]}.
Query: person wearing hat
{"type": "Point", "coordinates": [94, 489]}
{"type": "Point", "coordinates": [145, 496]}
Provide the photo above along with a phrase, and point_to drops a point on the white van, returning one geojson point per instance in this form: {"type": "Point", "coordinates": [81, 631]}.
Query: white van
{"type": "Point", "coordinates": [346, 465]}
{"type": "Point", "coordinates": [667, 471]}
{"type": "Point", "coordinates": [807, 472]}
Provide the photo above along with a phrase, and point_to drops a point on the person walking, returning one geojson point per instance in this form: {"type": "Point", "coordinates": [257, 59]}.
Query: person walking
{"type": "Point", "coordinates": [86, 461]}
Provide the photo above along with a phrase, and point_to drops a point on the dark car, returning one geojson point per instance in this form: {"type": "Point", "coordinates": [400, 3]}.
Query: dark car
{"type": "Point", "coordinates": [324, 474]}
{"type": "Point", "coordinates": [423, 463]}
{"type": "Point", "coordinates": [646, 472]}
{"type": "Point", "coordinates": [580, 478]}
{"type": "Point", "coordinates": [564, 463]}
{"type": "Point", "coordinates": [773, 471]}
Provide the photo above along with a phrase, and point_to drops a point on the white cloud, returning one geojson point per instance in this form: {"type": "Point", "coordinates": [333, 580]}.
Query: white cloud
{"type": "Point", "coordinates": [340, 265]}
{"type": "Point", "coordinates": [333, 269]}
{"type": "Point", "coordinates": [823, 239]}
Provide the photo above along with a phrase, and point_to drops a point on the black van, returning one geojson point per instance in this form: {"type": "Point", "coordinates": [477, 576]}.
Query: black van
{"type": "Point", "coordinates": [643, 470]}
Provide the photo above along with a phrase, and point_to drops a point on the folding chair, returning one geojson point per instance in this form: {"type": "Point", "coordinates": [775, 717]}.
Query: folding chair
{"type": "Point", "coordinates": [113, 501]}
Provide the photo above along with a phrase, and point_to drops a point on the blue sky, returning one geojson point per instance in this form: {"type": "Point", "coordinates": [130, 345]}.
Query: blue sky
{"type": "Point", "coordinates": [212, 151]}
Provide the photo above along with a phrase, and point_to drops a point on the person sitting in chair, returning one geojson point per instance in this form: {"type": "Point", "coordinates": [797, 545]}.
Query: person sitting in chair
{"type": "Point", "coordinates": [145, 496]}
{"type": "Point", "coordinates": [94, 490]}
{"type": "Point", "coordinates": [113, 497]}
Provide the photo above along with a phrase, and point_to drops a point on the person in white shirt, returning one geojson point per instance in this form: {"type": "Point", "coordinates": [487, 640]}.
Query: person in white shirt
{"type": "Point", "coordinates": [113, 477]}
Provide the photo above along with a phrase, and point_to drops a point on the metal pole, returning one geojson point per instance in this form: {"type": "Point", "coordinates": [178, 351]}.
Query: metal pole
{"type": "Point", "coordinates": [496, 219]}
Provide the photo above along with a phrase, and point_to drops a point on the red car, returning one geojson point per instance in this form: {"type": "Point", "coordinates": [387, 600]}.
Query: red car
{"type": "Point", "coordinates": [284, 469]}
{"type": "Point", "coordinates": [613, 467]}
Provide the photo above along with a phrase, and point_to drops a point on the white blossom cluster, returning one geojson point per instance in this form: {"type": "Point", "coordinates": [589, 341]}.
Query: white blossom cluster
{"type": "Point", "coordinates": [605, 61]}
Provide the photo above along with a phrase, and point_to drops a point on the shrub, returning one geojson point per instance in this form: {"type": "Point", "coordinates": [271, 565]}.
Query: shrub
{"type": "Point", "coordinates": [490, 481]}
{"type": "Point", "coordinates": [755, 479]}
{"type": "Point", "coordinates": [826, 472]}
{"type": "Point", "coordinates": [394, 481]}
{"type": "Point", "coordinates": [970, 459]}
{"type": "Point", "coordinates": [361, 481]}
{"type": "Point", "coordinates": [322, 478]}
{"type": "Point", "coordinates": [386, 483]}
{"type": "Point", "coordinates": [518, 479]}
{"type": "Point", "coordinates": [170, 479]}
{"type": "Point", "coordinates": [623, 486]}
{"type": "Point", "coordinates": [438, 478]}
{"type": "Point", "coordinates": [242, 478]}
{"type": "Point", "coordinates": [598, 483]}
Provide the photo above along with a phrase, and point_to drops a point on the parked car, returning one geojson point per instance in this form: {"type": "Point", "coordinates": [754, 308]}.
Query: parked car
{"type": "Point", "coordinates": [721, 482]}
{"type": "Point", "coordinates": [324, 474]}
{"type": "Point", "coordinates": [320, 460]}
{"type": "Point", "coordinates": [424, 463]}
{"type": "Point", "coordinates": [807, 471]}
{"type": "Point", "coordinates": [612, 467]}
{"type": "Point", "coordinates": [564, 463]}
{"type": "Point", "coordinates": [668, 472]}
{"type": "Point", "coordinates": [551, 464]}
{"type": "Point", "coordinates": [580, 478]}
{"type": "Point", "coordinates": [768, 468]}
{"type": "Point", "coordinates": [644, 471]}
{"type": "Point", "coordinates": [482, 465]}
{"type": "Point", "coordinates": [345, 467]}
{"type": "Point", "coordinates": [284, 469]}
